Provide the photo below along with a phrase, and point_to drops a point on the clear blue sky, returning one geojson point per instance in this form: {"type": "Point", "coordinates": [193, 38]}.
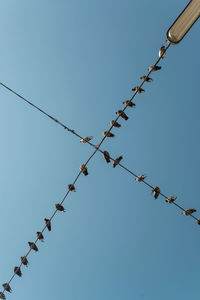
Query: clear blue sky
{"type": "Point", "coordinates": [78, 60]}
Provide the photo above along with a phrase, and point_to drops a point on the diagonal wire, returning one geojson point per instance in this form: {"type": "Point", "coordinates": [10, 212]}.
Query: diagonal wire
{"type": "Point", "coordinates": [39, 109]}
{"type": "Point", "coordinates": [97, 148]}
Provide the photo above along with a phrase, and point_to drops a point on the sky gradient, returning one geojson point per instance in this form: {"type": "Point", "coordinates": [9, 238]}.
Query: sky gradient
{"type": "Point", "coordinates": [78, 60]}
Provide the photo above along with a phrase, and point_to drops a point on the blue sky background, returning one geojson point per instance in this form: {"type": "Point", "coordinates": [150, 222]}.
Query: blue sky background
{"type": "Point", "coordinates": [78, 60]}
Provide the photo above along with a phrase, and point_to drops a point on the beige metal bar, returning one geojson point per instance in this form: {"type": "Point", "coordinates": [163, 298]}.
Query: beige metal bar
{"type": "Point", "coordinates": [184, 22]}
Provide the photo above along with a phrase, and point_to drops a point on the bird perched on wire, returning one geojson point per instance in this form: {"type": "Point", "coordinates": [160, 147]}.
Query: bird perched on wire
{"type": "Point", "coordinates": [40, 236]}
{"type": "Point", "coordinates": [188, 212]}
{"type": "Point", "coordinates": [107, 134]}
{"type": "Point", "coordinates": [162, 52]}
{"type": "Point", "coordinates": [198, 221]}
{"type": "Point", "coordinates": [114, 124]}
{"type": "Point", "coordinates": [84, 169]}
{"type": "Point", "coordinates": [106, 155]}
{"type": "Point", "coordinates": [2, 296]}
{"type": "Point", "coordinates": [17, 271]}
{"type": "Point", "coordinates": [7, 287]}
{"type": "Point", "coordinates": [117, 161]}
{"type": "Point", "coordinates": [129, 103]}
{"type": "Point", "coordinates": [60, 207]}
{"type": "Point", "coordinates": [24, 261]}
{"type": "Point", "coordinates": [154, 68]}
{"type": "Point", "coordinates": [33, 246]}
{"type": "Point", "coordinates": [138, 89]}
{"type": "Point", "coordinates": [86, 139]}
{"type": "Point", "coordinates": [71, 187]}
{"type": "Point", "coordinates": [122, 114]}
{"type": "Point", "coordinates": [156, 192]}
{"type": "Point", "coordinates": [171, 199]}
{"type": "Point", "coordinates": [146, 78]}
{"type": "Point", "coordinates": [140, 178]}
{"type": "Point", "coordinates": [48, 224]}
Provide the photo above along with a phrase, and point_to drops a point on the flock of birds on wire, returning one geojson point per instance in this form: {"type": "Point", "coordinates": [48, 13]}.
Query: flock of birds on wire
{"type": "Point", "coordinates": [83, 168]}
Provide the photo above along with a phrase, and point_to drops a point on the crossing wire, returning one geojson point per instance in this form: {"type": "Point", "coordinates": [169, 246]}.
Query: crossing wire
{"type": "Point", "coordinates": [97, 148]}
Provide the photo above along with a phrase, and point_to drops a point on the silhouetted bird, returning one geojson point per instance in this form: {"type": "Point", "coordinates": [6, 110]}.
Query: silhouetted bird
{"type": "Point", "coordinates": [188, 212]}
{"type": "Point", "coordinates": [33, 246]}
{"type": "Point", "coordinates": [60, 207]}
{"type": "Point", "coordinates": [146, 78]}
{"type": "Point", "coordinates": [108, 134]}
{"type": "Point", "coordinates": [162, 52]}
{"type": "Point", "coordinates": [129, 103]}
{"type": "Point", "coordinates": [71, 187]}
{"type": "Point", "coordinates": [48, 224]}
{"type": "Point", "coordinates": [7, 287]}
{"type": "Point", "coordinates": [17, 271]}
{"type": "Point", "coordinates": [156, 192]}
{"type": "Point", "coordinates": [24, 261]}
{"type": "Point", "coordinates": [140, 178]}
{"type": "Point", "coordinates": [86, 139]}
{"type": "Point", "coordinates": [138, 89]}
{"type": "Point", "coordinates": [84, 169]}
{"type": "Point", "coordinates": [2, 296]}
{"type": "Point", "coordinates": [40, 236]}
{"type": "Point", "coordinates": [122, 114]}
{"type": "Point", "coordinates": [106, 155]}
{"type": "Point", "coordinates": [171, 199]}
{"type": "Point", "coordinates": [198, 221]}
{"type": "Point", "coordinates": [154, 68]}
{"type": "Point", "coordinates": [115, 124]}
{"type": "Point", "coordinates": [117, 161]}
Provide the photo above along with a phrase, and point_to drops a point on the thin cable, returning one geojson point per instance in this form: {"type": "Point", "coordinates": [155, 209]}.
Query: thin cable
{"type": "Point", "coordinates": [97, 147]}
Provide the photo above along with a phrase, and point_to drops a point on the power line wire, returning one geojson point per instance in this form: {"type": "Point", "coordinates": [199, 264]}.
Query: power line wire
{"type": "Point", "coordinates": [97, 148]}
